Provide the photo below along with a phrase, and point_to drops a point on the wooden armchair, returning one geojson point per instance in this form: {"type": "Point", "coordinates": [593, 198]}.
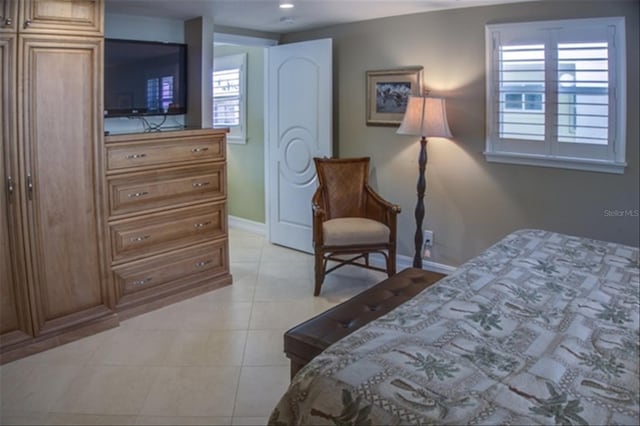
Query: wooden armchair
{"type": "Point", "coordinates": [350, 218]}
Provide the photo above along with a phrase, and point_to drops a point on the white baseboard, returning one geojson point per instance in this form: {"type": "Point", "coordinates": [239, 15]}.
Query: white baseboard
{"type": "Point", "coordinates": [247, 225]}
{"type": "Point", "coordinates": [403, 262]}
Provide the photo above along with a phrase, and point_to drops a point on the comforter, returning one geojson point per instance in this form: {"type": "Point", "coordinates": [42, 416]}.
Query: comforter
{"type": "Point", "coordinates": [541, 328]}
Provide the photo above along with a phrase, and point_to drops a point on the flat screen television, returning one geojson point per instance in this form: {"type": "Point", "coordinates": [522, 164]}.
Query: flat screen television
{"type": "Point", "coordinates": [144, 78]}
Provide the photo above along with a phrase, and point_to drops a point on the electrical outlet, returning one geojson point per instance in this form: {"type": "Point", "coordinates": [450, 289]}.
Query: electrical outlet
{"type": "Point", "coordinates": [427, 238]}
{"type": "Point", "coordinates": [427, 243]}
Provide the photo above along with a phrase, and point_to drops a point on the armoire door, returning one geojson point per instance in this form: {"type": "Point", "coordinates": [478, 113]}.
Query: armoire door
{"type": "Point", "coordinates": [15, 324]}
{"type": "Point", "coordinates": [71, 17]}
{"type": "Point", "coordinates": [8, 15]}
{"type": "Point", "coordinates": [60, 133]}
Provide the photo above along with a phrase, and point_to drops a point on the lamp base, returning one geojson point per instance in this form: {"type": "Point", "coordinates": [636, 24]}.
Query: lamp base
{"type": "Point", "coordinates": [419, 212]}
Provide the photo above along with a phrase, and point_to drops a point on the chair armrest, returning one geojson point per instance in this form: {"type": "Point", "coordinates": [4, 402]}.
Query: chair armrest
{"type": "Point", "coordinates": [378, 208]}
{"type": "Point", "coordinates": [319, 216]}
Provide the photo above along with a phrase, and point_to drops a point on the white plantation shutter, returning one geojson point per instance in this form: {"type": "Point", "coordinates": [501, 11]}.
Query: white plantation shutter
{"type": "Point", "coordinates": [229, 95]}
{"type": "Point", "coordinates": [555, 94]}
{"type": "Point", "coordinates": [521, 89]}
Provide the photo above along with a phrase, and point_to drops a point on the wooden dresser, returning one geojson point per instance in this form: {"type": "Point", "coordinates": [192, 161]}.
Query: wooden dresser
{"type": "Point", "coordinates": [167, 216]}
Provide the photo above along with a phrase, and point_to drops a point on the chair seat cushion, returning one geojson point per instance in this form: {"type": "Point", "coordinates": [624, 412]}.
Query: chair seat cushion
{"type": "Point", "coordinates": [347, 231]}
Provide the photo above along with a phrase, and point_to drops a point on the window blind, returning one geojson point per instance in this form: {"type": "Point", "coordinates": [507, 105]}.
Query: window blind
{"type": "Point", "coordinates": [226, 97]}
{"type": "Point", "coordinates": [521, 90]}
{"type": "Point", "coordinates": [583, 93]}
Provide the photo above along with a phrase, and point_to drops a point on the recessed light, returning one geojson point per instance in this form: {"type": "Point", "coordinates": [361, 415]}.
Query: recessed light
{"type": "Point", "coordinates": [285, 4]}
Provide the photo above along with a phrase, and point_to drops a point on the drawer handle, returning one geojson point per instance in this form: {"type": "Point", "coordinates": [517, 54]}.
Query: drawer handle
{"type": "Point", "coordinates": [27, 23]}
{"type": "Point", "coordinates": [201, 225]}
{"type": "Point", "coordinates": [138, 283]}
{"type": "Point", "coordinates": [200, 184]}
{"type": "Point", "coordinates": [10, 186]}
{"type": "Point", "coordinates": [137, 194]}
{"type": "Point", "coordinates": [138, 239]}
{"type": "Point", "coordinates": [8, 21]}
{"type": "Point", "coordinates": [199, 149]}
{"type": "Point", "coordinates": [134, 156]}
{"type": "Point", "coordinates": [30, 187]}
{"type": "Point", "coordinates": [202, 263]}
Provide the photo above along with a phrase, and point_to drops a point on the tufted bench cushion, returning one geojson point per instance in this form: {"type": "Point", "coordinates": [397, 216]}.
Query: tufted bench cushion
{"type": "Point", "coordinates": [305, 341]}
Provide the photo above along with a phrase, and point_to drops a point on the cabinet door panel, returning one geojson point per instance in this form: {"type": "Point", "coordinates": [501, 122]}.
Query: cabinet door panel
{"type": "Point", "coordinates": [15, 324]}
{"type": "Point", "coordinates": [62, 16]}
{"type": "Point", "coordinates": [60, 105]}
{"type": "Point", "coordinates": [8, 15]}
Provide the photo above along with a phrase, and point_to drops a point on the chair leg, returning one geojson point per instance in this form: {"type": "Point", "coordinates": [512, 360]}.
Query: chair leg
{"type": "Point", "coordinates": [391, 262]}
{"type": "Point", "coordinates": [319, 272]}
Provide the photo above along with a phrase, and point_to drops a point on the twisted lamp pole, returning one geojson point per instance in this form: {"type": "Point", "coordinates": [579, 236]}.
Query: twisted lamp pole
{"type": "Point", "coordinates": [419, 213]}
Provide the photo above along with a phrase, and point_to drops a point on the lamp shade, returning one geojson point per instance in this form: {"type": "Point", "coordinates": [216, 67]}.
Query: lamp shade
{"type": "Point", "coordinates": [425, 116]}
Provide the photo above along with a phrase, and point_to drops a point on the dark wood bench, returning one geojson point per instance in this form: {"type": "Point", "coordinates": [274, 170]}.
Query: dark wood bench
{"type": "Point", "coordinates": [305, 341]}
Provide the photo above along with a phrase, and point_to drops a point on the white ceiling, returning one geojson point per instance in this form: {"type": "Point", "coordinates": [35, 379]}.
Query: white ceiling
{"type": "Point", "coordinates": [265, 15]}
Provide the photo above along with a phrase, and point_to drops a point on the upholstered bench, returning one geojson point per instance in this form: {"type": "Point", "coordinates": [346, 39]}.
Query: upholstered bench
{"type": "Point", "coordinates": [305, 341]}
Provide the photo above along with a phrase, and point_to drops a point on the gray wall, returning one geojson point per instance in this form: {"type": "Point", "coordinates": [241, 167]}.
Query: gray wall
{"type": "Point", "coordinates": [470, 203]}
{"type": "Point", "coordinates": [198, 34]}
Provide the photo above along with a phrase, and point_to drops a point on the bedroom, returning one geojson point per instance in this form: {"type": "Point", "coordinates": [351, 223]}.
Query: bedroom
{"type": "Point", "coordinates": [471, 203]}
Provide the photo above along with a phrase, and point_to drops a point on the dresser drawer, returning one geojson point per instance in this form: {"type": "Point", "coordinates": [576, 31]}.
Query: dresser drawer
{"type": "Point", "coordinates": [201, 262]}
{"type": "Point", "coordinates": [133, 193]}
{"type": "Point", "coordinates": [141, 154]}
{"type": "Point", "coordinates": [155, 233]}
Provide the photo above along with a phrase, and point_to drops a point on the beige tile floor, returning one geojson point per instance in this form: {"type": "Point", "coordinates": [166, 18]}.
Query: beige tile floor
{"type": "Point", "coordinates": [213, 359]}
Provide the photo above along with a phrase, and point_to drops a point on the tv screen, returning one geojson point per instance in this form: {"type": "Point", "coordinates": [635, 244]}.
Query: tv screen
{"type": "Point", "coordinates": [144, 78]}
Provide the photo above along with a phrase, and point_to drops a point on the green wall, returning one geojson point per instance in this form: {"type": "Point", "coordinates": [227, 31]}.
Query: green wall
{"type": "Point", "coordinates": [245, 173]}
{"type": "Point", "coordinates": [470, 203]}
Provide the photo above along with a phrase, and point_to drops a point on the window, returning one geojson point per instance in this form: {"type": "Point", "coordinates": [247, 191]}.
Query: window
{"type": "Point", "coordinates": [229, 95]}
{"type": "Point", "coordinates": [556, 94]}
{"type": "Point", "coordinates": [523, 101]}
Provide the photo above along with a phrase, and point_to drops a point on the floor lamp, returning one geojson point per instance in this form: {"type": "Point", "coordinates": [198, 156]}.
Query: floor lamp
{"type": "Point", "coordinates": [426, 117]}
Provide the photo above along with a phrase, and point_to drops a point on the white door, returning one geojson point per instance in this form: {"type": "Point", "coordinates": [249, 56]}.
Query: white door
{"type": "Point", "coordinates": [299, 109]}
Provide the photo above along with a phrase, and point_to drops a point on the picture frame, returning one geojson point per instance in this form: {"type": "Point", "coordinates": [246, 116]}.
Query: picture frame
{"type": "Point", "coordinates": [388, 92]}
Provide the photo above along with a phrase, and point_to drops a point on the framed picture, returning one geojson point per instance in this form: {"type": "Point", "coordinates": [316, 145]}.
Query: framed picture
{"type": "Point", "coordinates": [388, 93]}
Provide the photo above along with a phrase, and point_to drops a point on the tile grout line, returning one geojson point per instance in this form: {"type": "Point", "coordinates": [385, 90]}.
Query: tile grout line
{"type": "Point", "coordinates": [246, 339]}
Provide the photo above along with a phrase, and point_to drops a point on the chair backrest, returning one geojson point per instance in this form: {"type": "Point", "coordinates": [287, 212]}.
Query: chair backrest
{"type": "Point", "coordinates": [342, 182]}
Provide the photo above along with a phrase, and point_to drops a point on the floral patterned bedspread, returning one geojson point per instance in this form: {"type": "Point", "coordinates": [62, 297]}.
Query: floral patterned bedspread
{"type": "Point", "coordinates": [541, 328]}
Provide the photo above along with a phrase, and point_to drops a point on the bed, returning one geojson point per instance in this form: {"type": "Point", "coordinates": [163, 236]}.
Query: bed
{"type": "Point", "coordinates": [541, 328]}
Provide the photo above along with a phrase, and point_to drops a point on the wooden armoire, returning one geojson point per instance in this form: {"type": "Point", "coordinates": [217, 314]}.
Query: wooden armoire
{"type": "Point", "coordinates": [53, 274]}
